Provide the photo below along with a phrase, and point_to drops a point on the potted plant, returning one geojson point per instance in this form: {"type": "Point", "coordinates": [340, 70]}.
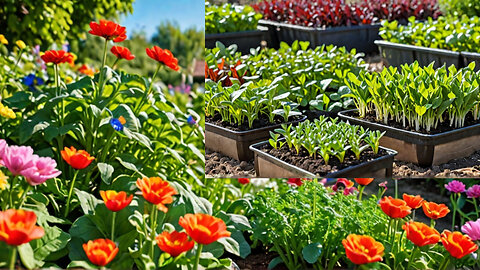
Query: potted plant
{"type": "Point", "coordinates": [233, 24]}
{"type": "Point", "coordinates": [323, 148]}
{"type": "Point", "coordinates": [429, 116]}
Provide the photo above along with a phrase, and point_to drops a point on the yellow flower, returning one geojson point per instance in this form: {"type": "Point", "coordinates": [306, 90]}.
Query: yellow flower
{"type": "Point", "coordinates": [7, 112]}
{"type": "Point", "coordinates": [68, 80]}
{"type": "Point", "coordinates": [3, 181]}
{"type": "Point", "coordinates": [21, 44]}
{"type": "Point", "coordinates": [3, 40]}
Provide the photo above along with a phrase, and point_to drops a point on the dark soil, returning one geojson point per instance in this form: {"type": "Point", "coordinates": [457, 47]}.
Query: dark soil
{"type": "Point", "coordinates": [442, 127]}
{"type": "Point", "coordinates": [317, 166]}
{"type": "Point", "coordinates": [218, 166]}
{"type": "Point", "coordinates": [261, 122]}
{"type": "Point", "coordinates": [462, 167]}
{"type": "Point", "coordinates": [315, 114]}
{"type": "Point", "coordinates": [258, 260]}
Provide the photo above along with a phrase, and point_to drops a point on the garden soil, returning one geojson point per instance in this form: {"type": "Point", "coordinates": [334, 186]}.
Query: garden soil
{"type": "Point", "coordinates": [218, 165]}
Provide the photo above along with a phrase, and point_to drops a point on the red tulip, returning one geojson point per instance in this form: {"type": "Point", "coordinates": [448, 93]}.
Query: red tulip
{"type": "Point", "coordinates": [115, 201]}
{"type": "Point", "coordinates": [362, 249]}
{"type": "Point", "coordinates": [156, 191]}
{"type": "Point", "coordinates": [18, 227]}
{"type": "Point", "coordinates": [363, 181]}
{"type": "Point", "coordinates": [100, 251]}
{"type": "Point", "coordinates": [435, 211]}
{"type": "Point", "coordinates": [163, 56]}
{"type": "Point", "coordinates": [78, 159]}
{"type": "Point", "coordinates": [203, 228]}
{"type": "Point", "coordinates": [413, 202]}
{"type": "Point", "coordinates": [108, 30]}
{"type": "Point", "coordinates": [57, 57]}
{"type": "Point", "coordinates": [174, 243]}
{"type": "Point", "coordinates": [244, 181]}
{"type": "Point", "coordinates": [420, 234]}
{"type": "Point", "coordinates": [457, 244]}
{"type": "Point", "coordinates": [394, 208]}
{"type": "Point", "coordinates": [122, 53]}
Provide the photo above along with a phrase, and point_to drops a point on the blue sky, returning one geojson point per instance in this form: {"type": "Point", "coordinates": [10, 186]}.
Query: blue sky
{"type": "Point", "coordinates": [148, 14]}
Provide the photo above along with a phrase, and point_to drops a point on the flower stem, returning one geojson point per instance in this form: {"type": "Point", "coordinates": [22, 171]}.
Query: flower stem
{"type": "Point", "coordinates": [146, 93]}
{"type": "Point", "coordinates": [454, 205]}
{"type": "Point", "coordinates": [361, 193]}
{"type": "Point", "coordinates": [102, 75]}
{"type": "Point", "coordinates": [113, 226]}
{"type": "Point", "coordinates": [197, 256]}
{"type": "Point", "coordinates": [22, 201]}
{"type": "Point", "coordinates": [12, 185]}
{"type": "Point", "coordinates": [72, 184]}
{"type": "Point", "coordinates": [412, 256]}
{"type": "Point", "coordinates": [13, 258]}
{"type": "Point", "coordinates": [154, 225]}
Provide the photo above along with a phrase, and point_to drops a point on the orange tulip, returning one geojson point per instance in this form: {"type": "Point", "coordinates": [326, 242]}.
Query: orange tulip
{"type": "Point", "coordinates": [163, 56]}
{"type": "Point", "coordinates": [457, 244]}
{"type": "Point", "coordinates": [84, 69]}
{"type": "Point", "coordinates": [108, 30]}
{"type": "Point", "coordinates": [18, 227]}
{"type": "Point", "coordinates": [420, 234]}
{"type": "Point", "coordinates": [57, 57]}
{"type": "Point", "coordinates": [362, 249]}
{"type": "Point", "coordinates": [413, 202]}
{"type": "Point", "coordinates": [100, 251]}
{"type": "Point", "coordinates": [203, 228]}
{"type": "Point", "coordinates": [394, 208]}
{"type": "Point", "coordinates": [364, 181]}
{"type": "Point", "coordinates": [156, 191]}
{"type": "Point", "coordinates": [78, 159]}
{"type": "Point", "coordinates": [174, 243]}
{"type": "Point", "coordinates": [122, 53]}
{"type": "Point", "coordinates": [115, 201]}
{"type": "Point", "coordinates": [435, 211]}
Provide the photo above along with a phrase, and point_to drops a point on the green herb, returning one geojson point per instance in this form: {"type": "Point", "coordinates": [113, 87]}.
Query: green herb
{"type": "Point", "coordinates": [230, 18]}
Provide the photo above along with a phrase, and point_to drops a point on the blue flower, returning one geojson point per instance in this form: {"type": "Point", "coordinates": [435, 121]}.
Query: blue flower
{"type": "Point", "coordinates": [31, 81]}
{"type": "Point", "coordinates": [117, 123]}
{"type": "Point", "coordinates": [191, 121]}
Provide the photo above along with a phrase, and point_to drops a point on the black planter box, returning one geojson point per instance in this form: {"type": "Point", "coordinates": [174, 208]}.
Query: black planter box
{"type": "Point", "coordinates": [360, 37]}
{"type": "Point", "coordinates": [423, 149]}
{"type": "Point", "coordinates": [397, 54]}
{"type": "Point", "coordinates": [244, 40]}
{"type": "Point", "coordinates": [268, 166]}
{"type": "Point", "coordinates": [235, 144]}
{"type": "Point", "coordinates": [469, 57]}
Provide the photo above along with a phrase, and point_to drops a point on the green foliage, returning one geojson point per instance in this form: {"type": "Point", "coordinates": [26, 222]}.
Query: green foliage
{"type": "Point", "coordinates": [450, 33]}
{"type": "Point", "coordinates": [55, 21]}
{"type": "Point", "coordinates": [460, 7]}
{"type": "Point", "coordinates": [230, 18]}
{"type": "Point", "coordinates": [419, 97]}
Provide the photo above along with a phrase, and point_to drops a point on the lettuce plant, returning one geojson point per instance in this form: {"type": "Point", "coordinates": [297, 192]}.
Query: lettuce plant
{"type": "Point", "coordinates": [230, 18]}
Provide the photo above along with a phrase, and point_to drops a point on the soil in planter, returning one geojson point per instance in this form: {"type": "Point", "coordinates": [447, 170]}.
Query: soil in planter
{"type": "Point", "coordinates": [317, 166]}
{"type": "Point", "coordinates": [442, 127]}
{"type": "Point", "coordinates": [218, 165]}
{"type": "Point", "coordinates": [461, 167]}
{"type": "Point", "coordinates": [258, 260]}
{"type": "Point", "coordinates": [261, 122]}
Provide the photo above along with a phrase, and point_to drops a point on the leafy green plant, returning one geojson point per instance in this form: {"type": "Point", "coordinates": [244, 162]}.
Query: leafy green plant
{"type": "Point", "coordinates": [328, 138]}
{"type": "Point", "coordinates": [460, 7]}
{"type": "Point", "coordinates": [230, 18]}
{"type": "Point", "coordinates": [419, 97]}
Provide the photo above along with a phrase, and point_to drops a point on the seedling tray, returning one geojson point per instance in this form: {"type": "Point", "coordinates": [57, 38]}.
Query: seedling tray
{"type": "Point", "coordinates": [361, 37]}
{"type": "Point", "coordinates": [244, 40]}
{"type": "Point", "coordinates": [235, 144]}
{"type": "Point", "coordinates": [423, 149]}
{"type": "Point", "coordinates": [269, 166]}
{"type": "Point", "coordinates": [398, 54]}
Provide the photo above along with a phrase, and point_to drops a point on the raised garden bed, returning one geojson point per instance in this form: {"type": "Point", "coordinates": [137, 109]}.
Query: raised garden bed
{"type": "Point", "coordinates": [397, 54]}
{"type": "Point", "coordinates": [274, 165]}
{"type": "Point", "coordinates": [244, 40]}
{"type": "Point", "coordinates": [360, 37]}
{"type": "Point", "coordinates": [236, 144]}
{"type": "Point", "coordinates": [469, 57]}
{"type": "Point", "coordinates": [423, 149]}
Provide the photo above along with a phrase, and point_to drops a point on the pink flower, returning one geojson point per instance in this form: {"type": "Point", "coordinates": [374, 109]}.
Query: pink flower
{"type": "Point", "coordinates": [3, 147]}
{"type": "Point", "coordinates": [342, 183]}
{"type": "Point", "coordinates": [455, 186]}
{"type": "Point", "coordinates": [472, 192]}
{"type": "Point", "coordinates": [383, 185]}
{"type": "Point", "coordinates": [42, 169]}
{"type": "Point", "coordinates": [18, 158]}
{"type": "Point", "coordinates": [472, 229]}
{"type": "Point", "coordinates": [350, 191]}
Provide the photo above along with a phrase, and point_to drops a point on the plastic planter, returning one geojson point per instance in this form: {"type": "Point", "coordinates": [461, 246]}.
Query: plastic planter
{"type": "Point", "coordinates": [268, 166]}
{"type": "Point", "coordinates": [469, 57]}
{"type": "Point", "coordinates": [235, 144]}
{"type": "Point", "coordinates": [361, 37]}
{"type": "Point", "coordinates": [423, 149]}
{"type": "Point", "coordinates": [397, 54]}
{"type": "Point", "coordinates": [244, 40]}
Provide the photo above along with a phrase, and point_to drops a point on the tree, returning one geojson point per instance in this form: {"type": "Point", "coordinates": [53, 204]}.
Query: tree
{"type": "Point", "coordinates": [54, 21]}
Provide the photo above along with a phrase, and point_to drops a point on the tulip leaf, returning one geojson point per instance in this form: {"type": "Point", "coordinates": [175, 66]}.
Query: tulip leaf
{"type": "Point", "coordinates": [312, 252]}
{"type": "Point", "coordinates": [106, 172]}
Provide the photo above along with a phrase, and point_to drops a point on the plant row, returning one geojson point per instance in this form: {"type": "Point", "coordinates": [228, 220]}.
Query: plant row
{"type": "Point", "coordinates": [450, 33]}
{"type": "Point", "coordinates": [419, 97]}
{"type": "Point", "coordinates": [326, 138]}
{"type": "Point", "coordinates": [328, 13]}
{"type": "Point", "coordinates": [230, 18]}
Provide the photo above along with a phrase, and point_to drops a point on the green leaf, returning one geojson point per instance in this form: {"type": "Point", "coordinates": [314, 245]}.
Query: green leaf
{"type": "Point", "coordinates": [27, 256]}
{"type": "Point", "coordinates": [106, 172]}
{"type": "Point", "coordinates": [88, 202]}
{"type": "Point", "coordinates": [230, 245]}
{"type": "Point", "coordinates": [273, 263]}
{"type": "Point", "coordinates": [312, 252]}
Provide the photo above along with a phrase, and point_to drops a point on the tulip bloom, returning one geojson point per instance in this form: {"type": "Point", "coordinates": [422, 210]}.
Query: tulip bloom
{"type": "Point", "coordinates": [18, 227]}
{"type": "Point", "coordinates": [457, 244]}
{"type": "Point", "coordinates": [394, 208]}
{"type": "Point", "coordinates": [156, 191]}
{"type": "Point", "coordinates": [78, 159]}
{"type": "Point", "coordinates": [100, 251]}
{"type": "Point", "coordinates": [174, 243]}
{"type": "Point", "coordinates": [364, 181]}
{"type": "Point", "coordinates": [57, 57]}
{"type": "Point", "coordinates": [295, 181]}
{"type": "Point", "coordinates": [472, 229]}
{"type": "Point", "coordinates": [108, 30]}
{"type": "Point", "coordinates": [244, 181]}
{"type": "Point", "coordinates": [362, 249]}
{"type": "Point", "coordinates": [203, 228]}
{"type": "Point", "coordinates": [413, 202]}
{"type": "Point", "coordinates": [163, 56]}
{"type": "Point", "coordinates": [421, 234]}
{"type": "Point", "coordinates": [115, 201]}
{"type": "Point", "coordinates": [122, 53]}
{"type": "Point", "coordinates": [84, 69]}
{"type": "Point", "coordinates": [435, 211]}
{"type": "Point", "coordinates": [42, 169]}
